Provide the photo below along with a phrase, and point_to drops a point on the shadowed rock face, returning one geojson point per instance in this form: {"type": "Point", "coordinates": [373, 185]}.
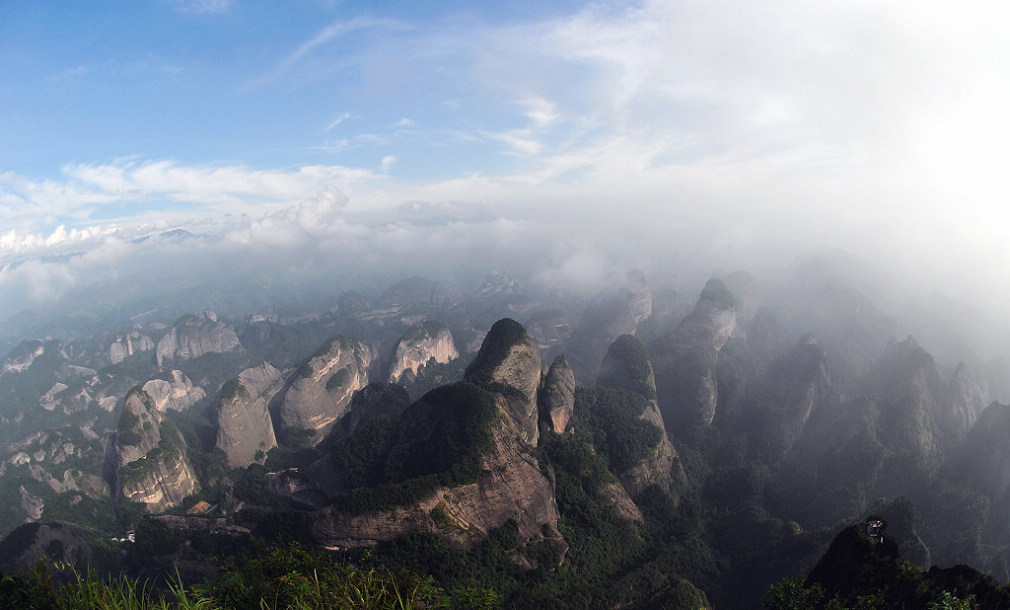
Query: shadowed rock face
{"type": "Point", "coordinates": [626, 366]}
{"type": "Point", "coordinates": [244, 427]}
{"type": "Point", "coordinates": [193, 336]}
{"type": "Point", "coordinates": [421, 343]}
{"type": "Point", "coordinates": [509, 365]}
{"type": "Point", "coordinates": [966, 399]}
{"type": "Point", "coordinates": [685, 360]}
{"type": "Point", "coordinates": [152, 468]}
{"type": "Point", "coordinates": [985, 457]}
{"type": "Point", "coordinates": [557, 398]}
{"type": "Point", "coordinates": [318, 394]}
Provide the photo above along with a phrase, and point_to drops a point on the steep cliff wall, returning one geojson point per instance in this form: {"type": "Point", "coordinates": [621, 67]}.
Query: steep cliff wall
{"type": "Point", "coordinates": [319, 393]}
{"type": "Point", "coordinates": [419, 344]}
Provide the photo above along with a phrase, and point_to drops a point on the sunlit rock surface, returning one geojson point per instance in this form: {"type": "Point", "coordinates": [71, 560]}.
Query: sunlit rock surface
{"type": "Point", "coordinates": [420, 343]}
{"type": "Point", "coordinates": [319, 393]}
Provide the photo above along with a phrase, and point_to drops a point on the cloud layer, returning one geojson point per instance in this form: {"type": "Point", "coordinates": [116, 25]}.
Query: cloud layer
{"type": "Point", "coordinates": [664, 135]}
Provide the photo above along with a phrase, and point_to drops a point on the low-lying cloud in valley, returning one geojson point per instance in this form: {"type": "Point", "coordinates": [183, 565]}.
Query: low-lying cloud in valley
{"type": "Point", "coordinates": [567, 147]}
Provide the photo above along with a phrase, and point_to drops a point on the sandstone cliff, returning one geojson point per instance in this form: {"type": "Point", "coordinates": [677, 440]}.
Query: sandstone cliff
{"type": "Point", "coordinates": [509, 364]}
{"type": "Point", "coordinates": [318, 394]}
{"type": "Point", "coordinates": [195, 335]}
{"type": "Point", "coordinates": [152, 468]}
{"type": "Point", "coordinates": [177, 393]}
{"type": "Point", "coordinates": [473, 442]}
{"type": "Point", "coordinates": [626, 366]}
{"type": "Point", "coordinates": [557, 398]}
{"type": "Point", "coordinates": [124, 346]}
{"type": "Point", "coordinates": [420, 343]}
{"type": "Point", "coordinates": [685, 361]}
{"type": "Point", "coordinates": [245, 431]}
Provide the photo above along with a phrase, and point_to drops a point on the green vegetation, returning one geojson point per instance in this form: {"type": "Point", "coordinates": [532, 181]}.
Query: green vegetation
{"type": "Point", "coordinates": [504, 334]}
{"type": "Point", "coordinates": [233, 389]}
{"type": "Point", "coordinates": [619, 432]}
{"type": "Point", "coordinates": [338, 379]}
{"type": "Point", "coordinates": [630, 367]}
{"type": "Point", "coordinates": [279, 577]}
{"type": "Point", "coordinates": [387, 463]}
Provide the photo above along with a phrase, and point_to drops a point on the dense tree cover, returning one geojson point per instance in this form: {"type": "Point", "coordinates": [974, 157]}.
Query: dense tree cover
{"type": "Point", "coordinates": [401, 457]}
{"type": "Point", "coordinates": [619, 432]}
{"type": "Point", "coordinates": [500, 339]}
{"type": "Point", "coordinates": [863, 569]}
{"type": "Point", "coordinates": [282, 576]}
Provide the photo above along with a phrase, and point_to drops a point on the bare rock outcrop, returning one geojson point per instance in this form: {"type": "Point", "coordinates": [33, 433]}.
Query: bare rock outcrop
{"type": "Point", "coordinates": [966, 399]}
{"type": "Point", "coordinates": [245, 431]}
{"type": "Point", "coordinates": [177, 393]}
{"type": "Point", "coordinates": [557, 397]}
{"type": "Point", "coordinates": [421, 343]}
{"type": "Point", "coordinates": [319, 393]}
{"type": "Point", "coordinates": [151, 464]}
{"type": "Point", "coordinates": [195, 335]}
{"type": "Point", "coordinates": [126, 345]}
{"type": "Point", "coordinates": [509, 364]}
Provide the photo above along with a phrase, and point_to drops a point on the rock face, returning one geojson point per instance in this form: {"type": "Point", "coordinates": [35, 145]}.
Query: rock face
{"type": "Point", "coordinates": [320, 391]}
{"type": "Point", "coordinates": [985, 457]}
{"type": "Point", "coordinates": [127, 345]}
{"type": "Point", "coordinates": [557, 398]}
{"type": "Point", "coordinates": [509, 364]}
{"type": "Point", "coordinates": [685, 360]}
{"type": "Point", "coordinates": [177, 394]}
{"type": "Point", "coordinates": [966, 399]}
{"type": "Point", "coordinates": [421, 343]}
{"type": "Point", "coordinates": [512, 488]}
{"type": "Point", "coordinates": [152, 468]}
{"type": "Point", "coordinates": [501, 383]}
{"type": "Point", "coordinates": [196, 335]}
{"type": "Point", "coordinates": [627, 366]}
{"type": "Point", "coordinates": [800, 385]}
{"type": "Point", "coordinates": [245, 431]}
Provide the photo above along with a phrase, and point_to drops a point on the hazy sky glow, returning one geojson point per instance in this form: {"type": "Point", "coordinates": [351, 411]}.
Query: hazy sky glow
{"type": "Point", "coordinates": [598, 130]}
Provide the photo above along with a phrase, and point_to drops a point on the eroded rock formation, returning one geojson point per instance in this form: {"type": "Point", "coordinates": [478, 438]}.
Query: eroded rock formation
{"type": "Point", "coordinates": [420, 343]}
{"type": "Point", "coordinates": [322, 388]}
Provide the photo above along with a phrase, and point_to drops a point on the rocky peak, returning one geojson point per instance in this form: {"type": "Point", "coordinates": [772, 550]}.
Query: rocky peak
{"type": "Point", "coordinates": [626, 366]}
{"type": "Point", "coordinates": [245, 431]}
{"type": "Point", "coordinates": [419, 344]}
{"type": "Point", "coordinates": [319, 392]}
{"type": "Point", "coordinates": [686, 359]}
{"type": "Point", "coordinates": [177, 393]}
{"type": "Point", "coordinates": [152, 467]}
{"type": "Point", "coordinates": [508, 364]}
{"type": "Point", "coordinates": [195, 335]}
{"type": "Point", "coordinates": [557, 398]}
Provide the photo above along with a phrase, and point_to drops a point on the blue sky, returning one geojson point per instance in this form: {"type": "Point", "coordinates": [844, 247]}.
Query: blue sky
{"type": "Point", "coordinates": [607, 134]}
